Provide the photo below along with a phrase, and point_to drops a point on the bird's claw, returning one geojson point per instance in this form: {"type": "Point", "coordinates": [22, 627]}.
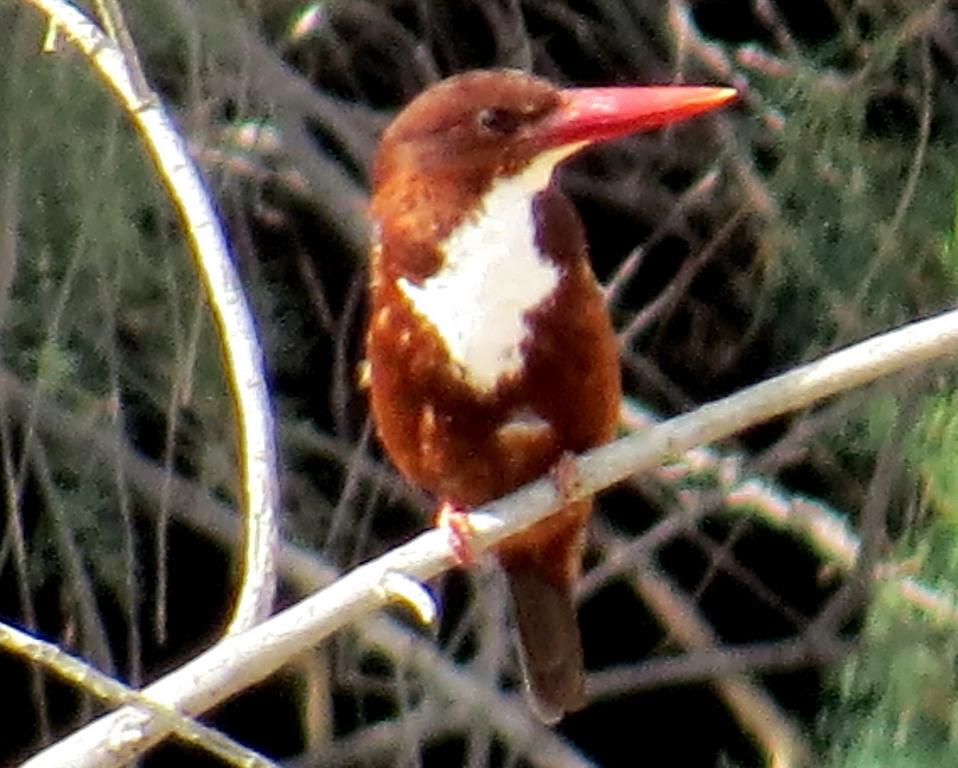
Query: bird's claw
{"type": "Point", "coordinates": [455, 519]}
{"type": "Point", "coordinates": [565, 476]}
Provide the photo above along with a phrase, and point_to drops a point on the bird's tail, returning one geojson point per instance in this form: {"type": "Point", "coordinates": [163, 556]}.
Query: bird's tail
{"type": "Point", "coordinates": [549, 643]}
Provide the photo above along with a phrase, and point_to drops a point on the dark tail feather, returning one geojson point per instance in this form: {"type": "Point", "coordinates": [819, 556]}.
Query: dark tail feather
{"type": "Point", "coordinates": [549, 643]}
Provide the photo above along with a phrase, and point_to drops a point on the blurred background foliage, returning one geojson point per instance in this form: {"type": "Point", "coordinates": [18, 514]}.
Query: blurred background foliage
{"type": "Point", "coordinates": [821, 210]}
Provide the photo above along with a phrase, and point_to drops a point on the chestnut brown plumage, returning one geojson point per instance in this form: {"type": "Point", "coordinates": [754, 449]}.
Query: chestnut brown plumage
{"type": "Point", "coordinates": [490, 351]}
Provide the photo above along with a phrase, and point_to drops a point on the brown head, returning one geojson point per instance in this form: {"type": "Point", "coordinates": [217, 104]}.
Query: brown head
{"type": "Point", "coordinates": [443, 152]}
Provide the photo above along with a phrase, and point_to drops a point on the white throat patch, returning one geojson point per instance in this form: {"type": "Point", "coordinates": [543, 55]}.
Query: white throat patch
{"type": "Point", "coordinates": [492, 275]}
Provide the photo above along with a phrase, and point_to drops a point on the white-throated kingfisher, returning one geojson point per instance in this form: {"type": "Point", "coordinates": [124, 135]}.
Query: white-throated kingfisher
{"type": "Point", "coordinates": [490, 351]}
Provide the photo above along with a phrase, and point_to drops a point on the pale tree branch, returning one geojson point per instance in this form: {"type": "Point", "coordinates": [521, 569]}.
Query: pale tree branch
{"type": "Point", "coordinates": [242, 659]}
{"type": "Point", "coordinates": [237, 332]}
{"type": "Point", "coordinates": [107, 688]}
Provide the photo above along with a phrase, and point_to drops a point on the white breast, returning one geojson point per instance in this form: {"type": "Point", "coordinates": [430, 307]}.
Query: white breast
{"type": "Point", "coordinates": [492, 275]}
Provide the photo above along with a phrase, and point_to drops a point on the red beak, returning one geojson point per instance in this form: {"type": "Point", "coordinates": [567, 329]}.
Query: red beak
{"type": "Point", "coordinates": [595, 114]}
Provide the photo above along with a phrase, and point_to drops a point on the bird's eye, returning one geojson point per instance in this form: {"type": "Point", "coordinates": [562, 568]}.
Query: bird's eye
{"type": "Point", "coordinates": [498, 121]}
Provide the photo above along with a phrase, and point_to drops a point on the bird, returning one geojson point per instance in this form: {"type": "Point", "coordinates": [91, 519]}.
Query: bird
{"type": "Point", "coordinates": [490, 356]}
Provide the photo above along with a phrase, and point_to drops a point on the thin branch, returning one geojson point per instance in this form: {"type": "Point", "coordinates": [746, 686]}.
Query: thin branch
{"type": "Point", "coordinates": [15, 534]}
{"type": "Point", "coordinates": [105, 687]}
{"type": "Point", "coordinates": [887, 240]}
{"type": "Point", "coordinates": [93, 634]}
{"type": "Point", "coordinates": [237, 332]}
{"type": "Point", "coordinates": [702, 188]}
{"type": "Point", "coordinates": [766, 12]}
{"type": "Point", "coordinates": [114, 23]}
{"type": "Point", "coordinates": [379, 743]}
{"type": "Point", "coordinates": [342, 387]}
{"type": "Point", "coordinates": [722, 560]}
{"type": "Point", "coordinates": [304, 437]}
{"type": "Point", "coordinates": [874, 533]}
{"type": "Point", "coordinates": [130, 546]}
{"type": "Point", "coordinates": [677, 287]}
{"type": "Point", "coordinates": [185, 353]}
{"type": "Point", "coordinates": [711, 664]}
{"type": "Point", "coordinates": [755, 710]}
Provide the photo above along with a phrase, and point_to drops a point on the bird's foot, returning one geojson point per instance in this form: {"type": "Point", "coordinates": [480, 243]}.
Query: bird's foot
{"type": "Point", "coordinates": [565, 476]}
{"type": "Point", "coordinates": [455, 519]}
